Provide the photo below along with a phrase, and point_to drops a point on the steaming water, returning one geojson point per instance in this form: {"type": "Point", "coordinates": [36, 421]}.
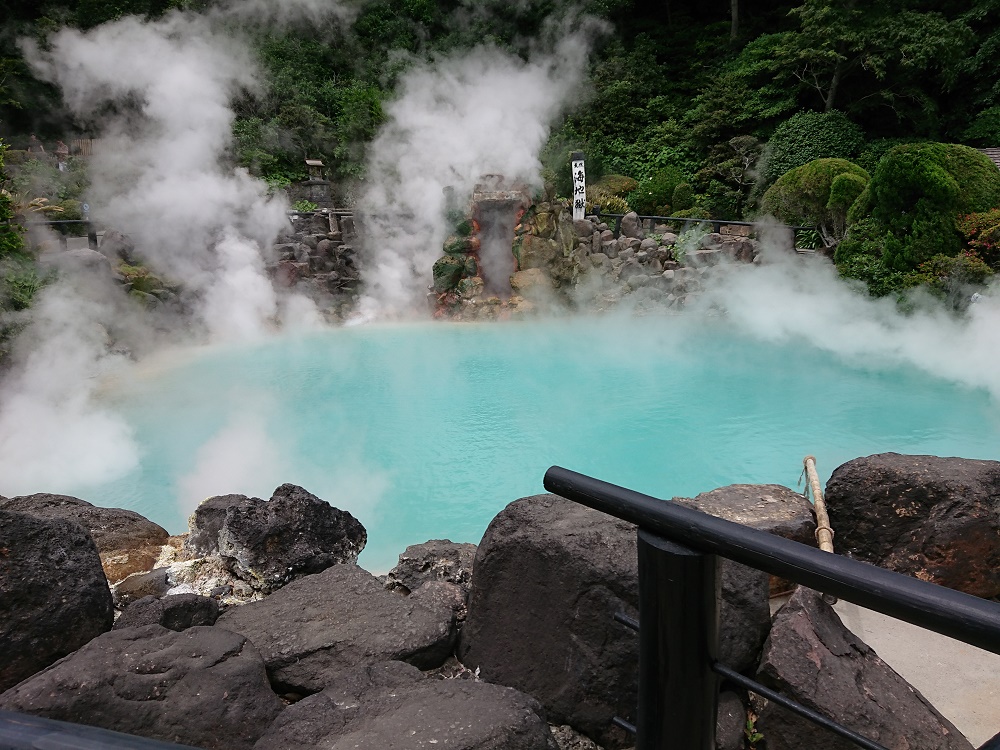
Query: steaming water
{"type": "Point", "coordinates": [426, 431]}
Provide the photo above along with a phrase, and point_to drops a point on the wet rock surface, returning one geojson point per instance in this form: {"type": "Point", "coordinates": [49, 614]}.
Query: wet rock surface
{"type": "Point", "coordinates": [812, 658]}
{"type": "Point", "coordinates": [392, 705]}
{"type": "Point", "coordinates": [321, 624]}
{"type": "Point", "coordinates": [127, 542]}
{"type": "Point", "coordinates": [204, 687]}
{"type": "Point", "coordinates": [937, 519]}
{"type": "Point", "coordinates": [54, 596]}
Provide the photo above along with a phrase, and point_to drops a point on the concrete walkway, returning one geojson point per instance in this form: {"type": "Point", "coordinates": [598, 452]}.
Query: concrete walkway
{"type": "Point", "coordinates": [960, 681]}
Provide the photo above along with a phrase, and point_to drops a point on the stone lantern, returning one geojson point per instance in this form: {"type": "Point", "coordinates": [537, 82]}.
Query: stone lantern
{"type": "Point", "coordinates": [316, 189]}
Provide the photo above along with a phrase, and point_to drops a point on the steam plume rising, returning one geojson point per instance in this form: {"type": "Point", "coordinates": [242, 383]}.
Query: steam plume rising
{"type": "Point", "coordinates": [453, 120]}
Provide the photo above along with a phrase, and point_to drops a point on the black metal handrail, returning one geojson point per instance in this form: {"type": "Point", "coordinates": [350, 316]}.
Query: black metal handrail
{"type": "Point", "coordinates": [668, 532]}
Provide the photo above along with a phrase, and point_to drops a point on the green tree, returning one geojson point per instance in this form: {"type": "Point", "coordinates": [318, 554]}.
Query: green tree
{"type": "Point", "coordinates": [857, 56]}
{"type": "Point", "coordinates": [806, 136]}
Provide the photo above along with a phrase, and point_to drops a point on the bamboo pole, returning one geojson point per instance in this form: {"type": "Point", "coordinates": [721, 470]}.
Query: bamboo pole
{"type": "Point", "coordinates": [824, 534]}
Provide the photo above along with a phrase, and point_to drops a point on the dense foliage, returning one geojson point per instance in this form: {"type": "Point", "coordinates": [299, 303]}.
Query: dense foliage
{"type": "Point", "coordinates": [701, 106]}
{"type": "Point", "coordinates": [916, 195]}
{"type": "Point", "coordinates": [818, 193]}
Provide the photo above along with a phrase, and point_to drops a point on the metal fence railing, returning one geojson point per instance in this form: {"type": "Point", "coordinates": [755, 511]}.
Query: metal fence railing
{"type": "Point", "coordinates": [679, 608]}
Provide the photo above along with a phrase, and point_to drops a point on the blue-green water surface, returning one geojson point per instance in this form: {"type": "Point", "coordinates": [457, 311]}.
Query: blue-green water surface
{"type": "Point", "coordinates": [427, 431]}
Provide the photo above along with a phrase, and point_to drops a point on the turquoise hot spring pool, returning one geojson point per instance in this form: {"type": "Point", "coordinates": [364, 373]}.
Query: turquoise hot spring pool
{"type": "Point", "coordinates": [425, 431]}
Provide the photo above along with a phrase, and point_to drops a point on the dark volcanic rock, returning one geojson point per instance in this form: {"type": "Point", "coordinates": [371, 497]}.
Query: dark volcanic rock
{"type": "Point", "coordinates": [206, 522]}
{"type": "Point", "coordinates": [293, 534]}
{"type": "Point", "coordinates": [392, 705]}
{"type": "Point", "coordinates": [321, 624]}
{"type": "Point", "coordinates": [812, 658]}
{"type": "Point", "coordinates": [937, 519]}
{"type": "Point", "coordinates": [204, 687]}
{"type": "Point", "coordinates": [549, 577]}
{"type": "Point", "coordinates": [177, 612]}
{"type": "Point", "coordinates": [268, 544]}
{"type": "Point", "coordinates": [127, 542]}
{"type": "Point", "coordinates": [141, 585]}
{"type": "Point", "coordinates": [767, 507]}
{"type": "Point", "coordinates": [54, 596]}
{"type": "Point", "coordinates": [436, 560]}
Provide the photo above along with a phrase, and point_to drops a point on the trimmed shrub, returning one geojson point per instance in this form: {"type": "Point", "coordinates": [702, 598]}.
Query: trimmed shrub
{"type": "Point", "coordinates": [917, 193]}
{"type": "Point", "coordinates": [615, 184]}
{"type": "Point", "coordinates": [807, 136]}
{"type": "Point", "coordinates": [817, 193]}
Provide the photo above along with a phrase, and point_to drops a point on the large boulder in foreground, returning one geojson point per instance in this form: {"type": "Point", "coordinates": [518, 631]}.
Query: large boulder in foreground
{"type": "Point", "coordinates": [128, 542]}
{"type": "Point", "coordinates": [268, 544]}
{"type": "Point", "coordinates": [549, 577]}
{"type": "Point", "coordinates": [812, 658]}
{"type": "Point", "coordinates": [392, 705]}
{"type": "Point", "coordinates": [54, 596]}
{"type": "Point", "coordinates": [204, 687]}
{"type": "Point", "coordinates": [322, 624]}
{"type": "Point", "coordinates": [937, 519]}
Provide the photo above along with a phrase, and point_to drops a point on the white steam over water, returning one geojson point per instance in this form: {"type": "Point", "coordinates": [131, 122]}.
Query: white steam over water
{"type": "Point", "coordinates": [455, 119]}
{"type": "Point", "coordinates": [791, 298]}
{"type": "Point", "coordinates": [162, 178]}
{"type": "Point", "coordinates": [158, 94]}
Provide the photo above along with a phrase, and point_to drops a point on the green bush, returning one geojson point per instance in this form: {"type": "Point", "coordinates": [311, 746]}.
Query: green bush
{"type": "Point", "coordinates": [818, 193]}
{"type": "Point", "coordinates": [655, 192]}
{"type": "Point", "coordinates": [880, 280]}
{"type": "Point", "coordinates": [807, 136]}
{"type": "Point", "coordinates": [615, 184]}
{"type": "Point", "coordinates": [917, 193]}
{"type": "Point", "coordinates": [683, 197]}
{"type": "Point", "coordinates": [866, 237]}
{"type": "Point", "coordinates": [11, 240]}
{"type": "Point", "coordinates": [982, 233]}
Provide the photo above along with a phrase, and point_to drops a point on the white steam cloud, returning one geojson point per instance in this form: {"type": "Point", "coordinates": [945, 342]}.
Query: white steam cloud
{"type": "Point", "coordinates": [158, 95]}
{"type": "Point", "coordinates": [790, 298]}
{"type": "Point", "coordinates": [454, 120]}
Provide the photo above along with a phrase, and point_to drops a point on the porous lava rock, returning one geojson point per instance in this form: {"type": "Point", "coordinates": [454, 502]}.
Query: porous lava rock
{"type": "Point", "coordinates": [267, 544]}
{"type": "Point", "coordinates": [812, 658]}
{"type": "Point", "coordinates": [54, 596]}
{"type": "Point", "coordinates": [128, 542]}
{"type": "Point", "coordinates": [177, 612]}
{"type": "Point", "coordinates": [772, 508]}
{"type": "Point", "coordinates": [321, 624]}
{"type": "Point", "coordinates": [392, 705]}
{"type": "Point", "coordinates": [434, 560]}
{"type": "Point", "coordinates": [549, 577]}
{"type": "Point", "coordinates": [937, 519]}
{"type": "Point", "coordinates": [204, 686]}
{"type": "Point", "coordinates": [206, 522]}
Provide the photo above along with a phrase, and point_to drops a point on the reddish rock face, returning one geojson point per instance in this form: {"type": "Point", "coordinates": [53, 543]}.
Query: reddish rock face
{"type": "Point", "coordinates": [937, 519]}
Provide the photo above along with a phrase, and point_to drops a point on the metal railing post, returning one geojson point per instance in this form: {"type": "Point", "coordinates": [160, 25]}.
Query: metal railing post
{"type": "Point", "coordinates": [678, 641]}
